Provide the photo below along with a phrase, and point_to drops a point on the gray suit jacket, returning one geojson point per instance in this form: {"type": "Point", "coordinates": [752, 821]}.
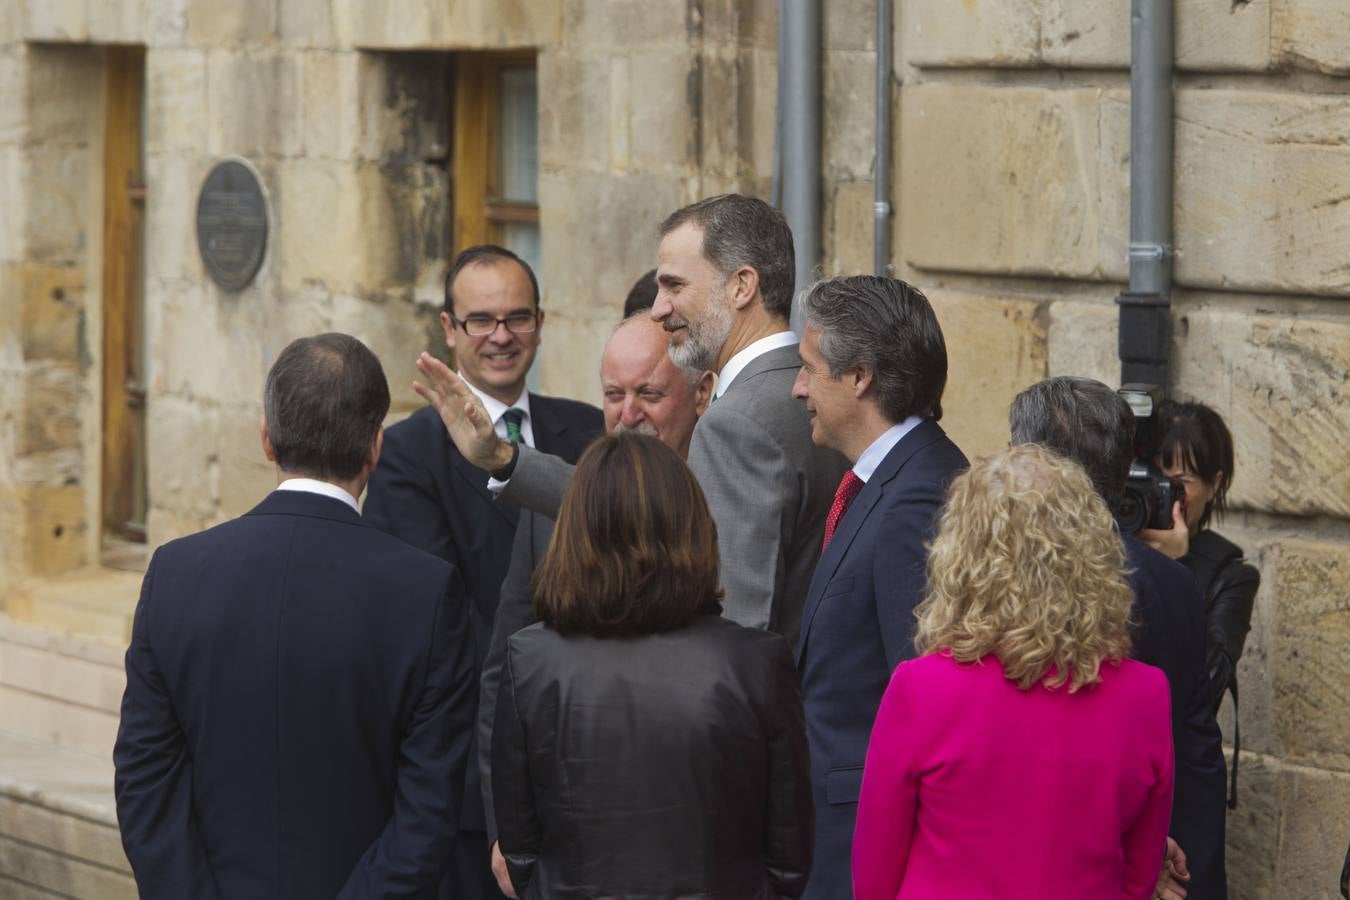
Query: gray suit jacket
{"type": "Point", "coordinates": [769, 489]}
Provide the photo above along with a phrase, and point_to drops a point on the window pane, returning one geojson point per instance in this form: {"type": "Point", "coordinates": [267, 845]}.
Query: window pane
{"type": "Point", "coordinates": [522, 239]}
{"type": "Point", "coordinates": [519, 145]}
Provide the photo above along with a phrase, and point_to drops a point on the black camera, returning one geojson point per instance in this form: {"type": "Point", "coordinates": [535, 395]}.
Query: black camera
{"type": "Point", "coordinates": [1149, 494]}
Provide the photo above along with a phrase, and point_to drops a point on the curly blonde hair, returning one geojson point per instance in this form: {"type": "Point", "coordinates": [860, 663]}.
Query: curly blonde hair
{"type": "Point", "coordinates": [1027, 566]}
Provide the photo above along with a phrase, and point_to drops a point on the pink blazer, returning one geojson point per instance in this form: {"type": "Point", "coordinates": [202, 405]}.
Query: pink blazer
{"type": "Point", "coordinates": [975, 789]}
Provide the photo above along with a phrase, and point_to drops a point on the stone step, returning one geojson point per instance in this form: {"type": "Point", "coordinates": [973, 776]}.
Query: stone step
{"type": "Point", "coordinates": [59, 688]}
{"type": "Point", "coordinates": [96, 602]}
{"type": "Point", "coordinates": [58, 824]}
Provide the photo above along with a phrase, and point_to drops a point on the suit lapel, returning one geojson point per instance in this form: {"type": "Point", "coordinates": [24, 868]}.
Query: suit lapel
{"type": "Point", "coordinates": [923, 434]}
{"type": "Point", "coordinates": [837, 549]}
{"type": "Point", "coordinates": [551, 432]}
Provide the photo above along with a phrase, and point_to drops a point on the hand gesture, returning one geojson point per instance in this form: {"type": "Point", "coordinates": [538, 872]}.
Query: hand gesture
{"type": "Point", "coordinates": [466, 420]}
{"type": "Point", "coordinates": [1175, 541]}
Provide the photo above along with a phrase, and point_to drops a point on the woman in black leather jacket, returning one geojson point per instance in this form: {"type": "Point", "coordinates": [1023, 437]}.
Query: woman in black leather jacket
{"type": "Point", "coordinates": [1198, 449]}
{"type": "Point", "coordinates": [644, 746]}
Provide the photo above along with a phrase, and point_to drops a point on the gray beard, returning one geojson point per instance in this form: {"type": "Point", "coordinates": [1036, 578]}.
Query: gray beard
{"type": "Point", "coordinates": [703, 340]}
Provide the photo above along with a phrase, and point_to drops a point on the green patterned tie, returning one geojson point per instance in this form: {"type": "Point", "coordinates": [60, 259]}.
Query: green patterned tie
{"type": "Point", "coordinates": [513, 417]}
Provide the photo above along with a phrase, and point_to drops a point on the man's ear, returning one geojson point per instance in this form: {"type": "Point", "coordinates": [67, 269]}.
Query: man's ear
{"type": "Point", "coordinates": [448, 326]}
{"type": "Point", "coordinates": [743, 287]}
{"type": "Point", "coordinates": [862, 381]}
{"type": "Point", "coordinates": [266, 440]}
{"type": "Point", "coordinates": [373, 459]}
{"type": "Point", "coordinates": [703, 391]}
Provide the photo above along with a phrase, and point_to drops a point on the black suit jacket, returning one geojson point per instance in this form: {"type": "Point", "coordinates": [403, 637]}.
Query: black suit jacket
{"type": "Point", "coordinates": [297, 713]}
{"type": "Point", "coordinates": [1169, 632]}
{"type": "Point", "coordinates": [426, 493]}
{"type": "Point", "coordinates": [857, 627]}
{"type": "Point", "coordinates": [516, 611]}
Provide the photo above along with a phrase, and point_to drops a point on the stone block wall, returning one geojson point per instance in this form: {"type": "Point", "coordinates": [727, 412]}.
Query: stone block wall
{"type": "Point", "coordinates": [50, 162]}
{"type": "Point", "coordinates": [1012, 175]}
{"type": "Point", "coordinates": [349, 133]}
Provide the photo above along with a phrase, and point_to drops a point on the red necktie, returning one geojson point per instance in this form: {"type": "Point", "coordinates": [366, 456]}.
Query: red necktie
{"type": "Point", "coordinates": [849, 486]}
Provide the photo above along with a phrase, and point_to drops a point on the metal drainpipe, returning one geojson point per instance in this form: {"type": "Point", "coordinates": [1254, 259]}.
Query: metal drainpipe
{"type": "Point", "coordinates": [1145, 309]}
{"type": "Point", "coordinates": [881, 231]}
{"type": "Point", "coordinates": [799, 77]}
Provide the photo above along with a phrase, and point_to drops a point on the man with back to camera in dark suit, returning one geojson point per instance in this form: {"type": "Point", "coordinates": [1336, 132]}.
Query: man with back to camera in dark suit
{"type": "Point", "coordinates": [1089, 423]}
{"type": "Point", "coordinates": [425, 492]}
{"type": "Point", "coordinates": [874, 365]}
{"type": "Point", "coordinates": [725, 294]}
{"type": "Point", "coordinates": [299, 696]}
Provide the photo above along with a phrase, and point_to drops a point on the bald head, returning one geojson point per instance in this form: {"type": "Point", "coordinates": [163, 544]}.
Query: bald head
{"type": "Point", "coordinates": [645, 391]}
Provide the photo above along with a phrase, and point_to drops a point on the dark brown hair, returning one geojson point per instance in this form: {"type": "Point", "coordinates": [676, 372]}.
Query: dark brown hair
{"type": "Point", "coordinates": [635, 548]}
{"type": "Point", "coordinates": [1198, 440]}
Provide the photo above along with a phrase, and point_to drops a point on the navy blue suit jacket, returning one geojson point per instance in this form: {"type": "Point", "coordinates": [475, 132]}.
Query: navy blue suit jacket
{"type": "Point", "coordinates": [1169, 632]}
{"type": "Point", "coordinates": [297, 713]}
{"type": "Point", "coordinates": [859, 625]}
{"type": "Point", "coordinates": [424, 492]}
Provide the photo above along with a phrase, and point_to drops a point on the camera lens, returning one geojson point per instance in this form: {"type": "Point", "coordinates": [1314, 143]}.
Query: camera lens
{"type": "Point", "coordinates": [1132, 511]}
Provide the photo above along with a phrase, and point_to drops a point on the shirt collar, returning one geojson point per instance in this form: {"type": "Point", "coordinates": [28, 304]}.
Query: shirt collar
{"type": "Point", "coordinates": [314, 486]}
{"type": "Point", "coordinates": [877, 450]}
{"type": "Point", "coordinates": [737, 363]}
{"type": "Point", "coordinates": [495, 408]}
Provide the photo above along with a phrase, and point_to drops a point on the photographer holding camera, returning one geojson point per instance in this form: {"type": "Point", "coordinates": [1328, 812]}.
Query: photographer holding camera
{"type": "Point", "coordinates": [1091, 424]}
{"type": "Point", "coordinates": [1197, 450]}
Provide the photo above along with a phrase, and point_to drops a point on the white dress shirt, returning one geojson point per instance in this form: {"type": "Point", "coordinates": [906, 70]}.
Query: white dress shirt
{"type": "Point", "coordinates": [877, 450]}
{"type": "Point", "coordinates": [737, 363]}
{"type": "Point", "coordinates": [314, 486]}
{"type": "Point", "coordinates": [496, 409]}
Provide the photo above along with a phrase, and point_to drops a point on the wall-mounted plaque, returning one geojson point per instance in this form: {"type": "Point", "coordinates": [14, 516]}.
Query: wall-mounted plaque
{"type": "Point", "coordinates": [232, 224]}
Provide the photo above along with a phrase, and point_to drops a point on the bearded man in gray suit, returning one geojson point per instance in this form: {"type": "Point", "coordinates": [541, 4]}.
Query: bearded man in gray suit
{"type": "Point", "coordinates": [725, 296]}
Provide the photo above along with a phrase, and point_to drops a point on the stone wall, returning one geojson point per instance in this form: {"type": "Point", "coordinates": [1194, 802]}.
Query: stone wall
{"type": "Point", "coordinates": [50, 167]}
{"type": "Point", "coordinates": [1012, 173]}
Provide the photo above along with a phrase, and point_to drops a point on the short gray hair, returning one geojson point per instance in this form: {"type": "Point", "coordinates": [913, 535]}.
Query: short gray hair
{"type": "Point", "coordinates": [888, 328]}
{"type": "Point", "coordinates": [741, 231]}
{"type": "Point", "coordinates": [1082, 419]}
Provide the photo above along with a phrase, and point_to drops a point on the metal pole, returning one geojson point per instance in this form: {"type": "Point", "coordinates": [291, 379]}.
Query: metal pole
{"type": "Point", "coordinates": [1145, 310]}
{"type": "Point", "coordinates": [881, 232]}
{"type": "Point", "coordinates": [799, 72]}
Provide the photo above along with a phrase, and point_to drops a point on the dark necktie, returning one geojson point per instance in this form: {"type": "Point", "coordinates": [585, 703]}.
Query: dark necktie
{"type": "Point", "coordinates": [849, 486]}
{"type": "Point", "coordinates": [513, 417]}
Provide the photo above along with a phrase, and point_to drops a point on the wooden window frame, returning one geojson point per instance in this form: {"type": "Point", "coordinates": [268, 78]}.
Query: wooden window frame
{"type": "Point", "coordinates": [124, 499]}
{"type": "Point", "coordinates": [479, 212]}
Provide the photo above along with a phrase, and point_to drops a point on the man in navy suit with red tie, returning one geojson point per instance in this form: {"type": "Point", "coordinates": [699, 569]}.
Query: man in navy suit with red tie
{"type": "Point", "coordinates": [874, 366]}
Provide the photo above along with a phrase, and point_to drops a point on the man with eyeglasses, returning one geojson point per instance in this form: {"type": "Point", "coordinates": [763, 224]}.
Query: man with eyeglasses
{"type": "Point", "coordinates": [425, 492]}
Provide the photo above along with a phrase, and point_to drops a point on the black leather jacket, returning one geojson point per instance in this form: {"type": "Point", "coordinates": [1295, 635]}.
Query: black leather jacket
{"type": "Point", "coordinates": [1229, 584]}
{"type": "Point", "coordinates": [664, 766]}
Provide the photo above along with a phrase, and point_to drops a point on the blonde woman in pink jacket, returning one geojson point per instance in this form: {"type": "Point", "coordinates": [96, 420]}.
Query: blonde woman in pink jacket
{"type": "Point", "coordinates": [1023, 754]}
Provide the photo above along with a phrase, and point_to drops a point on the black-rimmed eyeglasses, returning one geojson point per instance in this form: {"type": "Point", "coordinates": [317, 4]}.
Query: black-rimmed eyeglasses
{"type": "Point", "coordinates": [480, 325]}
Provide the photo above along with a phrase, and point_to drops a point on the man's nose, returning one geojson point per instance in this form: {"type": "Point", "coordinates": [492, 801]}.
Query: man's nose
{"type": "Point", "coordinates": [632, 413]}
{"type": "Point", "coordinates": [799, 386]}
{"type": "Point", "coordinates": [661, 307]}
{"type": "Point", "coordinates": [501, 334]}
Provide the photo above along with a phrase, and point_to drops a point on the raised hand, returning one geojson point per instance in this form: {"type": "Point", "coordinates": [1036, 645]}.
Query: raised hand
{"type": "Point", "coordinates": [465, 418]}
